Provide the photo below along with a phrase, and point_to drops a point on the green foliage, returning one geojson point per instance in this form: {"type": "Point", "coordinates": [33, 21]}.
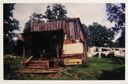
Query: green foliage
{"type": "Point", "coordinates": [53, 12]}
{"type": "Point", "coordinates": [94, 70]}
{"type": "Point", "coordinates": [10, 67]}
{"type": "Point", "coordinates": [116, 14]}
{"type": "Point", "coordinates": [27, 27]}
{"type": "Point", "coordinates": [121, 40]}
{"type": "Point", "coordinates": [49, 14]}
{"type": "Point", "coordinates": [34, 18]}
{"type": "Point", "coordinates": [56, 12]}
{"type": "Point", "coordinates": [98, 35]}
{"type": "Point", "coordinates": [37, 18]}
{"type": "Point", "coordinates": [10, 25]}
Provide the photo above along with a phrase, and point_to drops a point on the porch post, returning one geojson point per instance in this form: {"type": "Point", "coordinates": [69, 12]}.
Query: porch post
{"type": "Point", "coordinates": [57, 61]}
{"type": "Point", "coordinates": [23, 52]}
{"type": "Point", "coordinates": [84, 53]}
{"type": "Point", "coordinates": [57, 50]}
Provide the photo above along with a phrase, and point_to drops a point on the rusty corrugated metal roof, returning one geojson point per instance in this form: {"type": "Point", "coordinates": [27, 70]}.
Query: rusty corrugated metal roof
{"type": "Point", "coordinates": [54, 25]}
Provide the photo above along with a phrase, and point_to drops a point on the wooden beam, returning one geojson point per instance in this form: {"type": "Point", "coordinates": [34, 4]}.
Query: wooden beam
{"type": "Point", "coordinates": [23, 52]}
{"type": "Point", "coordinates": [28, 60]}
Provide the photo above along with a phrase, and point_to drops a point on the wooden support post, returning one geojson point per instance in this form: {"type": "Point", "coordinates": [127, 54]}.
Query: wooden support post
{"type": "Point", "coordinates": [23, 53]}
{"type": "Point", "coordinates": [57, 61]}
{"type": "Point", "coordinates": [57, 50]}
{"type": "Point", "coordinates": [84, 53]}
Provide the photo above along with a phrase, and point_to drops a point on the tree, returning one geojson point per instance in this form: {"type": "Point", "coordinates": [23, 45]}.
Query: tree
{"type": "Point", "coordinates": [34, 18]}
{"type": "Point", "coordinates": [27, 27]}
{"type": "Point", "coordinates": [53, 12]}
{"type": "Point", "coordinates": [98, 35]}
{"type": "Point", "coordinates": [10, 25]}
{"type": "Point", "coordinates": [37, 18]}
{"type": "Point", "coordinates": [49, 14]}
{"type": "Point", "coordinates": [116, 14]}
{"type": "Point", "coordinates": [56, 12]}
{"type": "Point", "coordinates": [121, 40]}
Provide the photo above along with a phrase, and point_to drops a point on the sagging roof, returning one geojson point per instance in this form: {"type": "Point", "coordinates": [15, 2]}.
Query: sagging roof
{"type": "Point", "coordinates": [56, 25]}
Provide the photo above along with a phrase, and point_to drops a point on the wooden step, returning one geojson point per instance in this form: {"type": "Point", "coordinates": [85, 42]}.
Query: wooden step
{"type": "Point", "coordinates": [32, 64]}
{"type": "Point", "coordinates": [36, 71]}
{"type": "Point", "coordinates": [55, 69]}
{"type": "Point", "coordinates": [36, 67]}
{"type": "Point", "coordinates": [39, 62]}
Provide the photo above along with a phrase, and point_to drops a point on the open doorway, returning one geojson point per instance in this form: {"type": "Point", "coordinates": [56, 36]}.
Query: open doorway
{"type": "Point", "coordinates": [46, 45]}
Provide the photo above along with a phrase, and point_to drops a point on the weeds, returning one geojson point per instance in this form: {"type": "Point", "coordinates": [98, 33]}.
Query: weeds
{"type": "Point", "coordinates": [94, 69]}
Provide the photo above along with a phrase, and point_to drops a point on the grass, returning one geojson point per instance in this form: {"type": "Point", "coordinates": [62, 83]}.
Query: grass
{"type": "Point", "coordinates": [94, 69]}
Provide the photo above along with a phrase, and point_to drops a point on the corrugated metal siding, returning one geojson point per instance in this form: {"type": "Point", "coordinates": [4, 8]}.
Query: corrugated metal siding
{"type": "Point", "coordinates": [70, 26]}
{"type": "Point", "coordinates": [47, 26]}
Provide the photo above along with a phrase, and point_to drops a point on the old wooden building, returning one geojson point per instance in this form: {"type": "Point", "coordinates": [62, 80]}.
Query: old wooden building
{"type": "Point", "coordinates": [60, 42]}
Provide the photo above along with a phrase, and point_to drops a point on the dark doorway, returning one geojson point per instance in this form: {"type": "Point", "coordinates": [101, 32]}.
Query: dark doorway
{"type": "Point", "coordinates": [46, 44]}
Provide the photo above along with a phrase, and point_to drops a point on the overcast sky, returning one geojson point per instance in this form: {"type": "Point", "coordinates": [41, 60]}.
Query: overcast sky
{"type": "Point", "coordinates": [87, 12]}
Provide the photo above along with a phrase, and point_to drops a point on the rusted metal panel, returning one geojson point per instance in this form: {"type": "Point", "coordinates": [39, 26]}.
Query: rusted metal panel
{"type": "Point", "coordinates": [68, 41]}
{"type": "Point", "coordinates": [78, 30]}
{"type": "Point", "coordinates": [71, 28]}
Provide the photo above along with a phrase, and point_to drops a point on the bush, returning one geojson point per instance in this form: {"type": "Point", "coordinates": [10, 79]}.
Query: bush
{"type": "Point", "coordinates": [10, 68]}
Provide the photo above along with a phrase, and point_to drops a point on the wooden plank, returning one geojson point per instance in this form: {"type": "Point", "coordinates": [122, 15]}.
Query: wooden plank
{"type": "Point", "coordinates": [72, 56]}
{"type": "Point", "coordinates": [40, 62]}
{"type": "Point", "coordinates": [67, 41]}
{"type": "Point", "coordinates": [28, 60]}
{"type": "Point", "coordinates": [37, 67]}
{"type": "Point", "coordinates": [35, 71]}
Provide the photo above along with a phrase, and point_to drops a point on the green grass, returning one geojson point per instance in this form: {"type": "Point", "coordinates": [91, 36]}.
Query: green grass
{"type": "Point", "coordinates": [94, 69]}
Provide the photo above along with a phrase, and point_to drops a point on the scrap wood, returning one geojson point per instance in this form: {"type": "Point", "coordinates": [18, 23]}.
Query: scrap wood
{"type": "Point", "coordinates": [28, 60]}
